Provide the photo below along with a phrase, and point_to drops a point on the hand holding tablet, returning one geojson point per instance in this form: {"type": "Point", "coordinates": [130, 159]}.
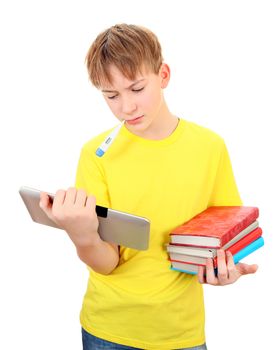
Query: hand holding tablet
{"type": "Point", "coordinates": [74, 212]}
{"type": "Point", "coordinates": [114, 226]}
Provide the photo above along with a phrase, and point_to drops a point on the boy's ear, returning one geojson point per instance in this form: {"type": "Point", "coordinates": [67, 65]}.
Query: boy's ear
{"type": "Point", "coordinates": [164, 74]}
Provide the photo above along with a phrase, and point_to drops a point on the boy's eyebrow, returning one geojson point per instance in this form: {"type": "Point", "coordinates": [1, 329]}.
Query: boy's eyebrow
{"type": "Point", "coordinates": [136, 82]}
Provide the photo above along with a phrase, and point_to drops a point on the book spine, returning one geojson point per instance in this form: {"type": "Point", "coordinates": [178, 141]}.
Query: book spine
{"type": "Point", "coordinates": [248, 250]}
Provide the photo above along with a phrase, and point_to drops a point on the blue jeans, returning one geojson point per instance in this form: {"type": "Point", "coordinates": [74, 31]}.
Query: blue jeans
{"type": "Point", "coordinates": [90, 342]}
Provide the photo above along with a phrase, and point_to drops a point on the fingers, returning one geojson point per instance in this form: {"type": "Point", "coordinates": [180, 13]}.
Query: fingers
{"type": "Point", "coordinates": [44, 200]}
{"type": "Point", "coordinates": [80, 199]}
{"type": "Point", "coordinates": [73, 212]}
{"type": "Point", "coordinates": [233, 273]}
{"type": "Point", "coordinates": [222, 267]}
{"type": "Point", "coordinates": [200, 274]}
{"type": "Point", "coordinates": [75, 197]}
{"type": "Point", "coordinates": [91, 202]}
{"type": "Point", "coordinates": [59, 198]}
{"type": "Point", "coordinates": [46, 204]}
{"type": "Point", "coordinates": [210, 273]}
{"type": "Point", "coordinates": [68, 197]}
{"type": "Point", "coordinates": [227, 271]}
{"type": "Point", "coordinates": [222, 276]}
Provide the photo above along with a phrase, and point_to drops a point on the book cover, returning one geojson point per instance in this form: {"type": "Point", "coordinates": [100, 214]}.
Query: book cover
{"type": "Point", "coordinates": [215, 226]}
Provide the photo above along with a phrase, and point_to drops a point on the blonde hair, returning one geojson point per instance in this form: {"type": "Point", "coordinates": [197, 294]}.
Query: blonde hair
{"type": "Point", "coordinates": [129, 47]}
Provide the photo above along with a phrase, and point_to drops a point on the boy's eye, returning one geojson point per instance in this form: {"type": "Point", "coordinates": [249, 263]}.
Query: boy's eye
{"type": "Point", "coordinates": [134, 90]}
{"type": "Point", "coordinates": [137, 90]}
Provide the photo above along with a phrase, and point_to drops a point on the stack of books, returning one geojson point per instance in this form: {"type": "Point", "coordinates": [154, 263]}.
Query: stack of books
{"type": "Point", "coordinates": [232, 228]}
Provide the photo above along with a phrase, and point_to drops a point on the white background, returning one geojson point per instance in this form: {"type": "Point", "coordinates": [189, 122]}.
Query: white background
{"type": "Point", "coordinates": [222, 58]}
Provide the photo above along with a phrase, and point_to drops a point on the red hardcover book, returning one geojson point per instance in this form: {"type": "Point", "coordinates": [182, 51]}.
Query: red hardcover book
{"type": "Point", "coordinates": [215, 226]}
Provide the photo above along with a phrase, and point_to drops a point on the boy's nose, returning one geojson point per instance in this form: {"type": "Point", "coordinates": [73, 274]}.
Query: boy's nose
{"type": "Point", "coordinates": [128, 107]}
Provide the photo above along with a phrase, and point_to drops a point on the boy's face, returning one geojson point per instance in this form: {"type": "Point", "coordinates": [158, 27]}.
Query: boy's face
{"type": "Point", "coordinates": [139, 102]}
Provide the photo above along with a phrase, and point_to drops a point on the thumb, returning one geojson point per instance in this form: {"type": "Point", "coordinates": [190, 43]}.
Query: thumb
{"type": "Point", "coordinates": [245, 269]}
{"type": "Point", "coordinates": [45, 204]}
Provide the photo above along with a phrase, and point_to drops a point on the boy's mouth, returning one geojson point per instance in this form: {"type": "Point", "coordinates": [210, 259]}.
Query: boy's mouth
{"type": "Point", "coordinates": [134, 120]}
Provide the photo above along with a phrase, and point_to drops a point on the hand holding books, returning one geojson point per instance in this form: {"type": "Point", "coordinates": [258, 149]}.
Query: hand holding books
{"type": "Point", "coordinates": [227, 272]}
{"type": "Point", "coordinates": [199, 245]}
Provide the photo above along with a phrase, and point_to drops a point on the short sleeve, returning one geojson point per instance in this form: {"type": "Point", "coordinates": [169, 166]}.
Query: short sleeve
{"type": "Point", "coordinates": [225, 191]}
{"type": "Point", "coordinates": [90, 177]}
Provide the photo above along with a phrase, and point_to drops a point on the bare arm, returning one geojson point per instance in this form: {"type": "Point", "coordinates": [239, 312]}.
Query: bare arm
{"type": "Point", "coordinates": [102, 257]}
{"type": "Point", "coordinates": [74, 211]}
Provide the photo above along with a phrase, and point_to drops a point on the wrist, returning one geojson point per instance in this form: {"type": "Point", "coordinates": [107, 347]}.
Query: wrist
{"type": "Point", "coordinates": [87, 244]}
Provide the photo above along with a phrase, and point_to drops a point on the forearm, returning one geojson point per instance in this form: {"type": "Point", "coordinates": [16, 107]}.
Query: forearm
{"type": "Point", "coordinates": [102, 257]}
{"type": "Point", "coordinates": [75, 212]}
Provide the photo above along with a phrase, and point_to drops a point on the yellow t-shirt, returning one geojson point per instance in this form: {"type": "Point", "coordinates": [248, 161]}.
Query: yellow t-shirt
{"type": "Point", "coordinates": [143, 303]}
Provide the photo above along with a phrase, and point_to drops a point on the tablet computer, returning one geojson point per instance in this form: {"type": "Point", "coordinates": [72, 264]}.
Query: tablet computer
{"type": "Point", "coordinates": [114, 226]}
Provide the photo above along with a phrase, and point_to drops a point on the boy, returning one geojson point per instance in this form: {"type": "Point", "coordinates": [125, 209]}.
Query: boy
{"type": "Point", "coordinates": [161, 167]}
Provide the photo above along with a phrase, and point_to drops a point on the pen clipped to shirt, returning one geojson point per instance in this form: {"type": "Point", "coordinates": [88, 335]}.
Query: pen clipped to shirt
{"type": "Point", "coordinates": [108, 141]}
